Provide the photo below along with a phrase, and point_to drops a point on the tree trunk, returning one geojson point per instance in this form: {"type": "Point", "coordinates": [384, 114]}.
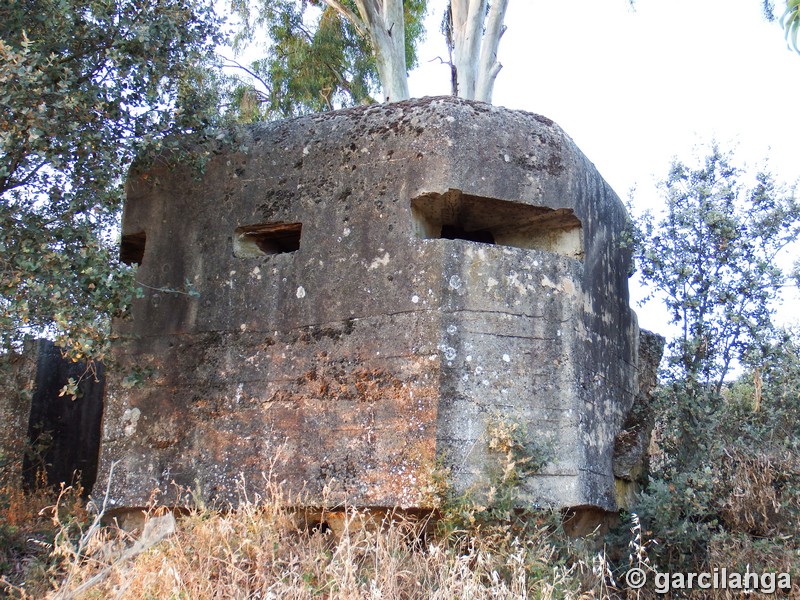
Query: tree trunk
{"type": "Point", "coordinates": [468, 18]}
{"type": "Point", "coordinates": [474, 39]}
{"type": "Point", "coordinates": [489, 67]}
{"type": "Point", "coordinates": [384, 21]}
{"type": "Point", "coordinates": [473, 48]}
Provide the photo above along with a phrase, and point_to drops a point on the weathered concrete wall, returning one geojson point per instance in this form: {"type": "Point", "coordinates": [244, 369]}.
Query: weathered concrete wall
{"type": "Point", "coordinates": [631, 457]}
{"type": "Point", "coordinates": [335, 321]}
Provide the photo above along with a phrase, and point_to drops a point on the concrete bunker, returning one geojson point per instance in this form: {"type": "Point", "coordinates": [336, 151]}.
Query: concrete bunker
{"type": "Point", "coordinates": [456, 215]}
{"type": "Point", "coordinates": [350, 371]}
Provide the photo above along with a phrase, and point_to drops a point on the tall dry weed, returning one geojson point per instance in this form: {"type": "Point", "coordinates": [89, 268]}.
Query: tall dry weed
{"type": "Point", "coordinates": [267, 550]}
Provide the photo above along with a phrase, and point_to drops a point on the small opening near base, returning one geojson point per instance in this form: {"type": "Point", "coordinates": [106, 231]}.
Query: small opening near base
{"type": "Point", "coordinates": [266, 239]}
{"type": "Point", "coordinates": [457, 216]}
{"type": "Point", "coordinates": [131, 248]}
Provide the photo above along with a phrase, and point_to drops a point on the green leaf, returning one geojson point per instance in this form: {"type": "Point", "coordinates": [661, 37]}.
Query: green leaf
{"type": "Point", "coordinates": [86, 85]}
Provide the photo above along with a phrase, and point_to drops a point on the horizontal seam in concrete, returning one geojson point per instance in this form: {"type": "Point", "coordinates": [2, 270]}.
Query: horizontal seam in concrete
{"type": "Point", "coordinates": [604, 475]}
{"type": "Point", "coordinates": [508, 335]}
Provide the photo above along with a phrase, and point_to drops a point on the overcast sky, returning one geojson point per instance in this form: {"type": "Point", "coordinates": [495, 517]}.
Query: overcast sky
{"type": "Point", "coordinates": [636, 87]}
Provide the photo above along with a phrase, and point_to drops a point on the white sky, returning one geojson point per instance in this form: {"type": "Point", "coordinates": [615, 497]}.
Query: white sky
{"type": "Point", "coordinates": [636, 87]}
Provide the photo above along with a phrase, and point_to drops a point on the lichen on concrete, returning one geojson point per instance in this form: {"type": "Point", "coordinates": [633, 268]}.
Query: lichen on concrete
{"type": "Point", "coordinates": [373, 287]}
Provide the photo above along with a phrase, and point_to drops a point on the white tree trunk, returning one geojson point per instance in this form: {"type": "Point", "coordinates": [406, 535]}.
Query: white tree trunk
{"type": "Point", "coordinates": [489, 67]}
{"type": "Point", "coordinates": [474, 51]}
{"type": "Point", "coordinates": [384, 21]}
{"type": "Point", "coordinates": [468, 18]}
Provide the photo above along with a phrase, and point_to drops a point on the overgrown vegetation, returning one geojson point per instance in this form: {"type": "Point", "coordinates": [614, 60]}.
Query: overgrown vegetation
{"type": "Point", "coordinates": [735, 502]}
{"type": "Point", "coordinates": [84, 87]}
{"type": "Point", "coordinates": [266, 549]}
{"type": "Point", "coordinates": [32, 525]}
{"type": "Point", "coordinates": [725, 474]}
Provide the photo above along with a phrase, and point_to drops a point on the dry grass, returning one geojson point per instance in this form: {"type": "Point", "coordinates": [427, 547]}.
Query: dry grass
{"type": "Point", "coordinates": [28, 521]}
{"type": "Point", "coordinates": [262, 550]}
{"type": "Point", "coordinates": [265, 550]}
{"type": "Point", "coordinates": [754, 499]}
{"type": "Point", "coordinates": [259, 552]}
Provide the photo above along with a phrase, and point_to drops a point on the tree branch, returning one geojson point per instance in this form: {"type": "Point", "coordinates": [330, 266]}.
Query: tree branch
{"type": "Point", "coordinates": [348, 14]}
{"type": "Point", "coordinates": [9, 184]}
{"type": "Point", "coordinates": [237, 65]}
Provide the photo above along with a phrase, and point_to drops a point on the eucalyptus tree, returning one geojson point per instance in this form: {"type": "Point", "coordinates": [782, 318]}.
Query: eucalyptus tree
{"type": "Point", "coordinates": [790, 20]}
{"type": "Point", "coordinates": [474, 28]}
{"type": "Point", "coordinates": [316, 58]}
{"type": "Point", "coordinates": [325, 54]}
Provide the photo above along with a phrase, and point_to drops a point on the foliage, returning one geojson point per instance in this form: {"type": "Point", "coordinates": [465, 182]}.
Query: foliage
{"type": "Point", "coordinates": [712, 256]}
{"type": "Point", "coordinates": [315, 60]}
{"type": "Point", "coordinates": [495, 499]}
{"type": "Point", "coordinates": [744, 483]}
{"type": "Point", "coordinates": [726, 474]}
{"type": "Point", "coordinates": [790, 20]}
{"type": "Point", "coordinates": [85, 86]}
